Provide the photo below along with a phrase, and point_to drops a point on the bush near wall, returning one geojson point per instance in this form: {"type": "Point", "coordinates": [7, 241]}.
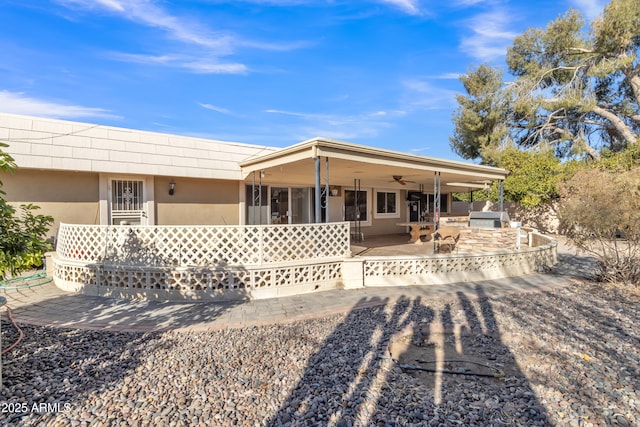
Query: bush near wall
{"type": "Point", "coordinates": [22, 234]}
{"type": "Point", "coordinates": [600, 214]}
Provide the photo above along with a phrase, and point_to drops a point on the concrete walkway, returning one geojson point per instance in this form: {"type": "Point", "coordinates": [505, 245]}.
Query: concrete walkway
{"type": "Point", "coordinates": [48, 305]}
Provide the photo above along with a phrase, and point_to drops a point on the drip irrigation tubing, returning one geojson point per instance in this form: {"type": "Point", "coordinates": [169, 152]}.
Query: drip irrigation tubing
{"type": "Point", "coordinates": [41, 279]}
{"type": "Point", "coordinates": [498, 374]}
{"type": "Point", "coordinates": [20, 333]}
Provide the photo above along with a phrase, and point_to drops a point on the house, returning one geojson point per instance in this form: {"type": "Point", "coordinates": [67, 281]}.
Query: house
{"type": "Point", "coordinates": [157, 216]}
{"type": "Point", "coordinates": [84, 173]}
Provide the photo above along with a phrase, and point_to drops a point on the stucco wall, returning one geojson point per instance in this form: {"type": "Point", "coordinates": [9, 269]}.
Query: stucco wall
{"type": "Point", "coordinates": [70, 197]}
{"type": "Point", "coordinates": [197, 202]}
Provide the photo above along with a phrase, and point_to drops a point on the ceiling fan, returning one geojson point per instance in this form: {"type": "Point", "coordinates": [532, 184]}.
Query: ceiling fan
{"type": "Point", "coordinates": [398, 179]}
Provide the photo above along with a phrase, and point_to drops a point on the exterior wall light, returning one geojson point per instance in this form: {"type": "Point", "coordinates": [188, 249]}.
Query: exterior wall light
{"type": "Point", "coordinates": [172, 187]}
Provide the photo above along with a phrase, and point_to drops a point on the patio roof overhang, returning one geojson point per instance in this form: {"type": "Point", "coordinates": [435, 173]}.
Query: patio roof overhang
{"type": "Point", "coordinates": [374, 167]}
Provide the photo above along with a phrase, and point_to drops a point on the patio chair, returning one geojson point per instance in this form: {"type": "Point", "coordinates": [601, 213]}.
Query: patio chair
{"type": "Point", "coordinates": [446, 237]}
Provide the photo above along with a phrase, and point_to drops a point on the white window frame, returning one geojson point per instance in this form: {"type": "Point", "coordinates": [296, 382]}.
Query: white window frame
{"type": "Point", "coordinates": [383, 215]}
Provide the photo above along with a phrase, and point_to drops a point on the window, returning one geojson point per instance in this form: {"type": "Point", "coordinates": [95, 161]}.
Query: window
{"type": "Point", "coordinates": [355, 210]}
{"type": "Point", "coordinates": [444, 203]}
{"type": "Point", "coordinates": [387, 204]}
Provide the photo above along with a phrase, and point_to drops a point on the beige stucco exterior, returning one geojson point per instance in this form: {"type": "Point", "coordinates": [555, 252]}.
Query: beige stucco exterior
{"type": "Point", "coordinates": [70, 197]}
{"type": "Point", "coordinates": [74, 197]}
{"type": "Point", "coordinates": [197, 202]}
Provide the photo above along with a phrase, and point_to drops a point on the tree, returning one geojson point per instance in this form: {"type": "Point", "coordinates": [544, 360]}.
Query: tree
{"type": "Point", "coordinates": [575, 91]}
{"type": "Point", "coordinates": [534, 176]}
{"type": "Point", "coordinates": [22, 235]}
{"type": "Point", "coordinates": [480, 121]}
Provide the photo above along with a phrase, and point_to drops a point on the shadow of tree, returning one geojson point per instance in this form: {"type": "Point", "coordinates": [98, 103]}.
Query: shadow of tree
{"type": "Point", "coordinates": [349, 381]}
{"type": "Point", "coordinates": [52, 369]}
{"type": "Point", "coordinates": [583, 349]}
{"type": "Point", "coordinates": [103, 313]}
{"type": "Point", "coordinates": [58, 368]}
{"type": "Point", "coordinates": [346, 377]}
{"type": "Point", "coordinates": [507, 398]}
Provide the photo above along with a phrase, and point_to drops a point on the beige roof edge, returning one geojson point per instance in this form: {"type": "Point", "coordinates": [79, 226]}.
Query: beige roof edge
{"type": "Point", "coordinates": [315, 145]}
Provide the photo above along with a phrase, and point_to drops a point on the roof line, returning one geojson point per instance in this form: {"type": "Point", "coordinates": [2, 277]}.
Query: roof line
{"type": "Point", "coordinates": [320, 142]}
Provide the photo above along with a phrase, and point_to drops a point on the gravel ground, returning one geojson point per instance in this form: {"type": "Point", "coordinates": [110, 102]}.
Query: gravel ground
{"type": "Point", "coordinates": [569, 357]}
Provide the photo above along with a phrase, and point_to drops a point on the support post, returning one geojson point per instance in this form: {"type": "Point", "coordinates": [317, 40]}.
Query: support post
{"type": "Point", "coordinates": [326, 190]}
{"type": "Point", "coordinates": [260, 195]}
{"type": "Point", "coordinates": [436, 205]}
{"type": "Point", "coordinates": [318, 195]}
{"type": "Point", "coordinates": [501, 195]}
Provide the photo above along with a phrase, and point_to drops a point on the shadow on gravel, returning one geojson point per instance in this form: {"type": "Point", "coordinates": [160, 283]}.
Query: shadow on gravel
{"type": "Point", "coordinates": [344, 379]}
{"type": "Point", "coordinates": [575, 265]}
{"type": "Point", "coordinates": [350, 381]}
{"type": "Point", "coordinates": [502, 393]}
{"type": "Point", "coordinates": [588, 338]}
{"type": "Point", "coordinates": [54, 369]}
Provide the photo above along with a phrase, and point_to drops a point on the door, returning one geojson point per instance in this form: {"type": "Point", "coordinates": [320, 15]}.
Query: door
{"type": "Point", "coordinates": [279, 205]}
{"type": "Point", "coordinates": [300, 206]}
{"type": "Point", "coordinates": [418, 207]}
{"type": "Point", "coordinates": [127, 202]}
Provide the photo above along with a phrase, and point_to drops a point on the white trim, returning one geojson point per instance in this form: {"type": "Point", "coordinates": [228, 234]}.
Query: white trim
{"type": "Point", "coordinates": [242, 203]}
{"type": "Point", "coordinates": [150, 201]}
{"type": "Point", "coordinates": [103, 191]}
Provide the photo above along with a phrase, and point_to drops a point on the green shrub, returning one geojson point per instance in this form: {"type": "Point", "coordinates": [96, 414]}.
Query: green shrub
{"type": "Point", "coordinates": [22, 238]}
{"type": "Point", "coordinates": [22, 234]}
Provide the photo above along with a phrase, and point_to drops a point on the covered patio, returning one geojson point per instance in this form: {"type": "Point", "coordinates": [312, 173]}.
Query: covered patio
{"type": "Point", "coordinates": [391, 245]}
{"type": "Point", "coordinates": [374, 189]}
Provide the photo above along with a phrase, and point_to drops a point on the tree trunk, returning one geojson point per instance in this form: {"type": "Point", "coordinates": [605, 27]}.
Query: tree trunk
{"type": "Point", "coordinates": [634, 81]}
{"type": "Point", "coordinates": [617, 123]}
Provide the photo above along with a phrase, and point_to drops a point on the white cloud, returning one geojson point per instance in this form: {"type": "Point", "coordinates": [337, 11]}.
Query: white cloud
{"type": "Point", "coordinates": [147, 13]}
{"type": "Point", "coordinates": [448, 76]}
{"type": "Point", "coordinates": [19, 103]}
{"type": "Point", "coordinates": [215, 108]}
{"type": "Point", "coordinates": [590, 8]}
{"type": "Point", "coordinates": [202, 67]}
{"type": "Point", "coordinates": [421, 94]}
{"type": "Point", "coordinates": [336, 126]}
{"type": "Point", "coordinates": [490, 37]}
{"type": "Point", "coordinates": [467, 3]}
{"type": "Point", "coordinates": [411, 7]}
{"type": "Point", "coordinates": [200, 40]}
{"type": "Point", "coordinates": [193, 64]}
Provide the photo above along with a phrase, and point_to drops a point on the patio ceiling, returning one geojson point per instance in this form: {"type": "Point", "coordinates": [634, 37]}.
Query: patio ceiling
{"type": "Point", "coordinates": [374, 167]}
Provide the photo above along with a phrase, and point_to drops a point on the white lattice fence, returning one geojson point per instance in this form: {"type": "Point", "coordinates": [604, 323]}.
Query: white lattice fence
{"type": "Point", "coordinates": [422, 270]}
{"type": "Point", "coordinates": [202, 245]}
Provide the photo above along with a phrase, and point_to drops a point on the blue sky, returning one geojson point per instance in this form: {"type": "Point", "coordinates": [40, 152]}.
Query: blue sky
{"type": "Point", "coordinates": [273, 72]}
